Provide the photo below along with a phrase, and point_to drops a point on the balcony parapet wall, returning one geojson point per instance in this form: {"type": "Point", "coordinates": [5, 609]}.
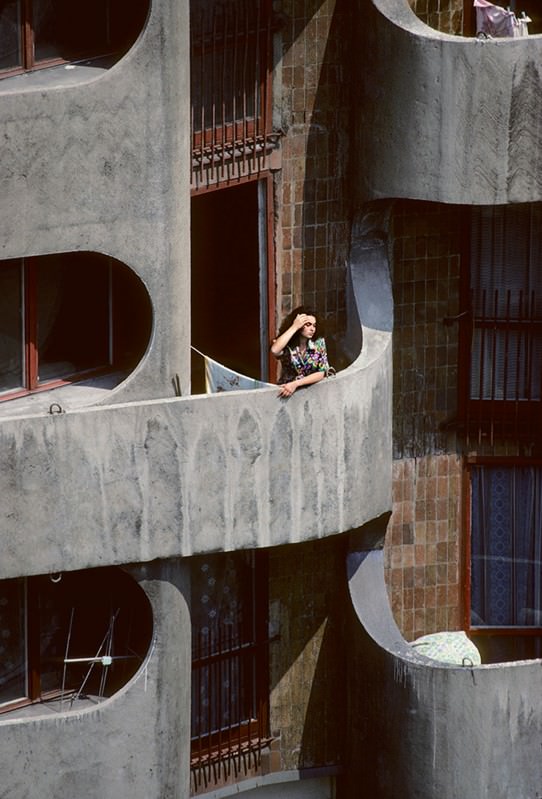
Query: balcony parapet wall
{"type": "Point", "coordinates": [427, 729]}
{"type": "Point", "coordinates": [446, 118]}
{"type": "Point", "coordinates": [137, 481]}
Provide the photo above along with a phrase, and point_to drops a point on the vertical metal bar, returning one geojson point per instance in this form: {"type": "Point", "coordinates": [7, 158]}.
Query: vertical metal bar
{"type": "Point", "coordinates": [244, 85]}
{"type": "Point", "coordinates": [256, 86]}
{"type": "Point", "coordinates": [213, 93]}
{"type": "Point", "coordinates": [234, 80]}
{"type": "Point", "coordinates": [224, 71]}
{"type": "Point", "coordinates": [203, 88]}
{"type": "Point", "coordinates": [218, 691]}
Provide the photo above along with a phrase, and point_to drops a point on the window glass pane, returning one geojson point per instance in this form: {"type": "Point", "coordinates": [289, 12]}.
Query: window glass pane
{"type": "Point", "coordinates": [11, 326]}
{"type": "Point", "coordinates": [64, 29]}
{"type": "Point", "coordinates": [12, 641]}
{"type": "Point", "coordinates": [10, 35]}
{"type": "Point", "coordinates": [73, 309]}
{"type": "Point", "coordinates": [506, 546]}
{"type": "Point", "coordinates": [68, 30]}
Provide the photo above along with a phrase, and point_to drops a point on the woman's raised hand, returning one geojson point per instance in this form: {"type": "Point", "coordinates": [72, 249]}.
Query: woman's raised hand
{"type": "Point", "coordinates": [300, 320]}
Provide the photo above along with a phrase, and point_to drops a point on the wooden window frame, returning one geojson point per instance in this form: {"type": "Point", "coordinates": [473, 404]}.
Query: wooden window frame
{"type": "Point", "coordinates": [29, 347]}
{"type": "Point", "coordinates": [27, 47]}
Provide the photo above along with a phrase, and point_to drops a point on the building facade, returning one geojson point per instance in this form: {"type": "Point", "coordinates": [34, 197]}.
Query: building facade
{"type": "Point", "coordinates": [212, 593]}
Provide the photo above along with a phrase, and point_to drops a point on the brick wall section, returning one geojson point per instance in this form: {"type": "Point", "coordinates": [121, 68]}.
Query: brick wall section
{"type": "Point", "coordinates": [308, 600]}
{"type": "Point", "coordinates": [423, 551]}
{"type": "Point", "coordinates": [443, 15]}
{"type": "Point", "coordinates": [311, 196]}
{"type": "Point", "coordinates": [423, 545]}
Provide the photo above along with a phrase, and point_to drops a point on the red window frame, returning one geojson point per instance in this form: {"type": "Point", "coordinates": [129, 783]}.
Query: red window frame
{"type": "Point", "coordinates": [28, 59]}
{"type": "Point", "coordinates": [29, 345]}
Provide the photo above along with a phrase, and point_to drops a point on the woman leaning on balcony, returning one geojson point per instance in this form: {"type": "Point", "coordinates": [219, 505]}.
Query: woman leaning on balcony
{"type": "Point", "coordinates": [303, 357]}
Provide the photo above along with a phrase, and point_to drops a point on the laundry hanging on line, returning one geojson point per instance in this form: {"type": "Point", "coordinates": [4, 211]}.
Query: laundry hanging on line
{"type": "Point", "coordinates": [498, 22]}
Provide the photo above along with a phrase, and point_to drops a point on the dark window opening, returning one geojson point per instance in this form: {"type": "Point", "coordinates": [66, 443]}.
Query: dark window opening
{"type": "Point", "coordinates": [505, 559]}
{"type": "Point", "coordinates": [230, 314]}
{"type": "Point", "coordinates": [70, 636]}
{"type": "Point", "coordinates": [37, 33]}
{"type": "Point", "coordinates": [229, 655]}
{"type": "Point", "coordinates": [502, 328]}
{"type": "Point", "coordinates": [67, 317]}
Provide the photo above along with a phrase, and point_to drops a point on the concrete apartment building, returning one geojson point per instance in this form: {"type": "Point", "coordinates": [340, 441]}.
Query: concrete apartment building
{"type": "Point", "coordinates": [212, 594]}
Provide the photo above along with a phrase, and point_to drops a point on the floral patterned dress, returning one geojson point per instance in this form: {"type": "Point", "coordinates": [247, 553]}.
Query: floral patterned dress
{"type": "Point", "coordinates": [296, 364]}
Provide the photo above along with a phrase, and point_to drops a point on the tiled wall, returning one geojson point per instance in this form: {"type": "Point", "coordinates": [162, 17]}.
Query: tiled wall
{"type": "Point", "coordinates": [423, 545]}
{"type": "Point", "coordinates": [307, 599]}
{"type": "Point", "coordinates": [312, 199]}
{"type": "Point", "coordinates": [444, 15]}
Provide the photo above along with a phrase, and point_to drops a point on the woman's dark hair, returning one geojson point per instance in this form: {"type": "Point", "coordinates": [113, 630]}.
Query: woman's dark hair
{"type": "Point", "coordinates": [288, 321]}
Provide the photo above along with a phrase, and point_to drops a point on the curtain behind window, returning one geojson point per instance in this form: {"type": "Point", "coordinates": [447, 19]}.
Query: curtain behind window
{"type": "Point", "coordinates": [506, 546]}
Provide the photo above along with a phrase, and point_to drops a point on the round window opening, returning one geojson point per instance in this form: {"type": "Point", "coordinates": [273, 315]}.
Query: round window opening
{"type": "Point", "coordinates": [69, 317]}
{"type": "Point", "coordinates": [75, 637]}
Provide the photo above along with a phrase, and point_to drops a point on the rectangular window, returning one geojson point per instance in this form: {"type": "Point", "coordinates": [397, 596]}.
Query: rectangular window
{"type": "Point", "coordinates": [502, 329]}
{"type": "Point", "coordinates": [229, 655]}
{"type": "Point", "coordinates": [506, 545]}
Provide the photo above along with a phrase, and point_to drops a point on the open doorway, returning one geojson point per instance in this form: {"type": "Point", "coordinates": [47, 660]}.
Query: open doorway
{"type": "Point", "coordinates": [230, 309]}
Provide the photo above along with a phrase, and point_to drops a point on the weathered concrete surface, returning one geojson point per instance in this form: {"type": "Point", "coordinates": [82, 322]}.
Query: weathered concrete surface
{"type": "Point", "coordinates": [423, 729]}
{"type": "Point", "coordinates": [103, 166]}
{"type": "Point", "coordinates": [446, 118]}
{"type": "Point", "coordinates": [132, 746]}
{"type": "Point", "coordinates": [134, 482]}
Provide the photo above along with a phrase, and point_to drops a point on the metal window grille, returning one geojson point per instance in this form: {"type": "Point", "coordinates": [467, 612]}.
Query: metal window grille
{"type": "Point", "coordinates": [503, 330]}
{"type": "Point", "coordinates": [231, 60]}
{"type": "Point", "coordinates": [229, 692]}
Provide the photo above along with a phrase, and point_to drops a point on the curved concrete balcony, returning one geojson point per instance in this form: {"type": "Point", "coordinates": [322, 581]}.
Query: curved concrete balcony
{"type": "Point", "coordinates": [446, 118]}
{"type": "Point", "coordinates": [428, 729]}
{"type": "Point", "coordinates": [137, 481]}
